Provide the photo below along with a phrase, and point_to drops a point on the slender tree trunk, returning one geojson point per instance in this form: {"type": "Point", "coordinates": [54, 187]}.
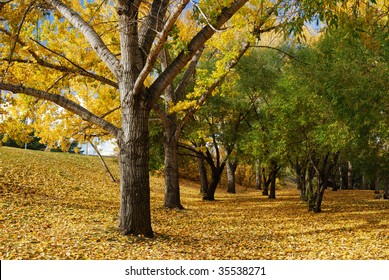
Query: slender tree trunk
{"type": "Point", "coordinates": [231, 168]}
{"type": "Point", "coordinates": [350, 176]}
{"type": "Point", "coordinates": [301, 182]}
{"type": "Point", "coordinates": [203, 176]}
{"type": "Point", "coordinates": [319, 198]}
{"type": "Point", "coordinates": [333, 182]}
{"type": "Point", "coordinates": [258, 176]}
{"type": "Point", "coordinates": [386, 187]}
{"type": "Point", "coordinates": [172, 187]}
{"type": "Point", "coordinates": [311, 193]}
{"type": "Point", "coordinates": [266, 183]}
{"type": "Point", "coordinates": [133, 143]}
{"type": "Point", "coordinates": [377, 185]}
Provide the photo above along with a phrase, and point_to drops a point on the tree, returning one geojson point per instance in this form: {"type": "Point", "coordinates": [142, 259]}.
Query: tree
{"type": "Point", "coordinates": [142, 32]}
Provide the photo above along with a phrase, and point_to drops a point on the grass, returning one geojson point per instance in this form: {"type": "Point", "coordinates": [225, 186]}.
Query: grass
{"type": "Point", "coordinates": [63, 206]}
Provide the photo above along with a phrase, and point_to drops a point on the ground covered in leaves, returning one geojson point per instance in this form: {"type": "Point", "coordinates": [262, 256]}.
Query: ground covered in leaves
{"type": "Point", "coordinates": [62, 206]}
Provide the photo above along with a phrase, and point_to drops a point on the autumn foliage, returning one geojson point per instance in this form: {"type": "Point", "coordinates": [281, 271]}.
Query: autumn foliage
{"type": "Point", "coordinates": [63, 206]}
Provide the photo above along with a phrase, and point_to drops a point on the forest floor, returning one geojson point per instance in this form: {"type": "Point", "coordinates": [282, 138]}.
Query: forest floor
{"type": "Point", "coordinates": [63, 206]}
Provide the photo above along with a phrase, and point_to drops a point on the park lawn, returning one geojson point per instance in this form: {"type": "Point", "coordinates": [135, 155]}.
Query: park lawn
{"type": "Point", "coordinates": [63, 206]}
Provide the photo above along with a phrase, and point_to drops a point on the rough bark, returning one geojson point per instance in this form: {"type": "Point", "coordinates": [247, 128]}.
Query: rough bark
{"type": "Point", "coordinates": [172, 132]}
{"type": "Point", "coordinates": [133, 143]}
{"type": "Point", "coordinates": [172, 188]}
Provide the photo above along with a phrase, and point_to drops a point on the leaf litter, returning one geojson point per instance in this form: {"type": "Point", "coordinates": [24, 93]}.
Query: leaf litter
{"type": "Point", "coordinates": [63, 206]}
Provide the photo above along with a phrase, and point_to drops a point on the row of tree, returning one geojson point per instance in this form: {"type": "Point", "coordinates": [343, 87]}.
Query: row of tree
{"type": "Point", "coordinates": [111, 64]}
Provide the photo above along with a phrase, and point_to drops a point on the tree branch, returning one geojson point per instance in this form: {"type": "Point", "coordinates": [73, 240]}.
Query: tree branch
{"type": "Point", "coordinates": [152, 24]}
{"type": "Point", "coordinates": [194, 45]}
{"type": "Point", "coordinates": [64, 103]}
{"type": "Point", "coordinates": [89, 33]}
{"type": "Point", "coordinates": [211, 88]}
{"type": "Point", "coordinates": [282, 51]}
{"type": "Point", "coordinates": [61, 68]}
{"type": "Point", "coordinates": [152, 57]}
{"type": "Point", "coordinates": [190, 71]}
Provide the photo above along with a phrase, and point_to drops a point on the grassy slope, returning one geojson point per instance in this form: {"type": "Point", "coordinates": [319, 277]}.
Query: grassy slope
{"type": "Point", "coordinates": [62, 206]}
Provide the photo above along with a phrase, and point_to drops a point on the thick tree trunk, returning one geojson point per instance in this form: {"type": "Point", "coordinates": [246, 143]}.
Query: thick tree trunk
{"type": "Point", "coordinates": [216, 175]}
{"type": "Point", "coordinates": [133, 143]}
{"type": "Point", "coordinates": [231, 168]}
{"type": "Point", "coordinates": [203, 176]}
{"type": "Point", "coordinates": [172, 187]}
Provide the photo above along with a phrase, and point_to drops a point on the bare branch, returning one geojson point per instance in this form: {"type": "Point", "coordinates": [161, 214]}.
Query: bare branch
{"type": "Point", "coordinates": [89, 33]}
{"type": "Point", "coordinates": [282, 51]}
{"type": "Point", "coordinates": [64, 103]}
{"type": "Point", "coordinates": [19, 29]}
{"type": "Point", "coordinates": [206, 18]}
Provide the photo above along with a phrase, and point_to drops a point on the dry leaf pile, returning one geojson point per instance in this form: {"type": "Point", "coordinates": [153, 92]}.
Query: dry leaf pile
{"type": "Point", "coordinates": [62, 206]}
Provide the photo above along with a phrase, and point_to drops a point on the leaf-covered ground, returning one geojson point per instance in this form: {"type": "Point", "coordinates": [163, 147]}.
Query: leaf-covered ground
{"type": "Point", "coordinates": [62, 206]}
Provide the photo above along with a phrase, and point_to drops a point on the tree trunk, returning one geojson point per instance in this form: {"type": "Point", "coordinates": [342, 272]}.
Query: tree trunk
{"type": "Point", "coordinates": [350, 176]}
{"type": "Point", "coordinates": [216, 175]}
{"type": "Point", "coordinates": [272, 194]}
{"type": "Point", "coordinates": [377, 185]}
{"type": "Point", "coordinates": [343, 177]}
{"type": "Point", "coordinates": [133, 143]}
{"type": "Point", "coordinates": [203, 176]}
{"type": "Point", "coordinates": [266, 183]}
{"type": "Point", "coordinates": [386, 188]}
{"type": "Point", "coordinates": [301, 183]}
{"type": "Point", "coordinates": [258, 176]}
{"type": "Point", "coordinates": [172, 187]}
{"type": "Point", "coordinates": [311, 193]}
{"type": "Point", "coordinates": [231, 168]}
{"type": "Point", "coordinates": [319, 198]}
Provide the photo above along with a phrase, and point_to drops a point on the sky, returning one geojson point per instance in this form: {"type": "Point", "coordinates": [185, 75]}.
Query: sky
{"type": "Point", "coordinates": [106, 148]}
